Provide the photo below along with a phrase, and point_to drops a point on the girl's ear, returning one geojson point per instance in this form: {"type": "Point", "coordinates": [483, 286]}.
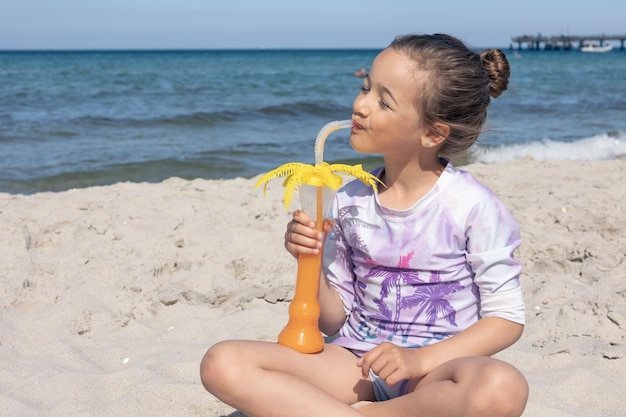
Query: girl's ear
{"type": "Point", "coordinates": [436, 135]}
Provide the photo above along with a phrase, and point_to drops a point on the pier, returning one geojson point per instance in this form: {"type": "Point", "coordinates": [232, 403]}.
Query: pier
{"type": "Point", "coordinates": [563, 42]}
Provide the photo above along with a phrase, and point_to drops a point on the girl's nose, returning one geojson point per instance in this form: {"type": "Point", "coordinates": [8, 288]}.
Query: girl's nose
{"type": "Point", "coordinates": [359, 105]}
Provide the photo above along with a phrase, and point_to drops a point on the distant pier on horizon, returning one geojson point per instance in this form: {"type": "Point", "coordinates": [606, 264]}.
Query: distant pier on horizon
{"type": "Point", "coordinates": [563, 42]}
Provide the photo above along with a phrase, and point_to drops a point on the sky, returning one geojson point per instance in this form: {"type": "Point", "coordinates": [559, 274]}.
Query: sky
{"type": "Point", "coordinates": [253, 24]}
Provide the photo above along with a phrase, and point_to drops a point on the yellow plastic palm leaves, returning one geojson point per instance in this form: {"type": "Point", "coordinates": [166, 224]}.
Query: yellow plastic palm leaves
{"type": "Point", "coordinates": [323, 175]}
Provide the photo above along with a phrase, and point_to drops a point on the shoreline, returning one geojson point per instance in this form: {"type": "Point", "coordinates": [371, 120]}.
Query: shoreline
{"type": "Point", "coordinates": [600, 147]}
{"type": "Point", "coordinates": [111, 294]}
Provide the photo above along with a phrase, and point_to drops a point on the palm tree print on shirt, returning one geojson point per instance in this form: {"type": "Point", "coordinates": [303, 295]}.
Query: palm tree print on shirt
{"type": "Point", "coordinates": [429, 298]}
{"type": "Point", "coordinates": [393, 280]}
{"type": "Point", "coordinates": [348, 216]}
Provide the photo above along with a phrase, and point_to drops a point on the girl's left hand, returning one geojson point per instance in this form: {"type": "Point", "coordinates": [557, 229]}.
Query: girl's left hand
{"type": "Point", "coordinates": [391, 363]}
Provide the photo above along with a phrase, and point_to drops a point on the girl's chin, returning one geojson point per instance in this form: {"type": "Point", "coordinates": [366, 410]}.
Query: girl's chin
{"type": "Point", "coordinates": [355, 145]}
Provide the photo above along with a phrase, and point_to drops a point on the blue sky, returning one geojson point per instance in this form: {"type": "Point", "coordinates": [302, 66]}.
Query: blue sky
{"type": "Point", "coordinates": [183, 24]}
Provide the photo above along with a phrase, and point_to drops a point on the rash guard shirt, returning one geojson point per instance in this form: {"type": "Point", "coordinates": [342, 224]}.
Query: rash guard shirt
{"type": "Point", "coordinates": [417, 276]}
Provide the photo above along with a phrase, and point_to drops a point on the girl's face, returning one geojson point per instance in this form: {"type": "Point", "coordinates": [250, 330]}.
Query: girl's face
{"type": "Point", "coordinates": [385, 120]}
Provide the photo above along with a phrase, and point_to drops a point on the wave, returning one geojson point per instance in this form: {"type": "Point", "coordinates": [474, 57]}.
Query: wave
{"type": "Point", "coordinates": [147, 171]}
{"type": "Point", "coordinates": [609, 145]}
{"type": "Point", "coordinates": [305, 108]}
{"type": "Point", "coordinates": [213, 118]}
{"type": "Point", "coordinates": [197, 119]}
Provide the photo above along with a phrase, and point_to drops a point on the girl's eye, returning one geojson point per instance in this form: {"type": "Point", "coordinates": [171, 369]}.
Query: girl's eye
{"type": "Point", "coordinates": [381, 102]}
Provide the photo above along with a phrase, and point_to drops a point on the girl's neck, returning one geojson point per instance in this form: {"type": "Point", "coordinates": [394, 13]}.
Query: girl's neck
{"type": "Point", "coordinates": [407, 183]}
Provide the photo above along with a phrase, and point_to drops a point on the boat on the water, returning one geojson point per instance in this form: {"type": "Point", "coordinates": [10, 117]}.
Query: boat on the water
{"type": "Point", "coordinates": [592, 47]}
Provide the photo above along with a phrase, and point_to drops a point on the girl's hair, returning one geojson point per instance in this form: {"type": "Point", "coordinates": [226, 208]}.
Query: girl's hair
{"type": "Point", "coordinates": [457, 84]}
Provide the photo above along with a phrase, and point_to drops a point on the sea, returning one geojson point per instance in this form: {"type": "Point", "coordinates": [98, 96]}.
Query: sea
{"type": "Point", "coordinates": [72, 119]}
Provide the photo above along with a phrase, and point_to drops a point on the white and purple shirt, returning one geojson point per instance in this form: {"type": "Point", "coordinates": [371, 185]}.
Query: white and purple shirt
{"type": "Point", "coordinates": [417, 276]}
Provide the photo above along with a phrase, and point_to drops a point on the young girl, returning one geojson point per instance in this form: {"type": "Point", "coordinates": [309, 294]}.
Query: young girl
{"type": "Point", "coordinates": [420, 284]}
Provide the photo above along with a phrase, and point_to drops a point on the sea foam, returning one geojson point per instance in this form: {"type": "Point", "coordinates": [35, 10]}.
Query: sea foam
{"type": "Point", "coordinates": [603, 146]}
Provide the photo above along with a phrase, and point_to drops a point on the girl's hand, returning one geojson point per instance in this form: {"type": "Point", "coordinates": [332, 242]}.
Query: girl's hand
{"type": "Point", "coordinates": [301, 235]}
{"type": "Point", "coordinates": [391, 363]}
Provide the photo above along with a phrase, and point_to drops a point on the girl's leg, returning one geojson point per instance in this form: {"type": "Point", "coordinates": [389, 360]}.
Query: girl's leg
{"type": "Point", "coordinates": [464, 387]}
{"type": "Point", "coordinates": [267, 379]}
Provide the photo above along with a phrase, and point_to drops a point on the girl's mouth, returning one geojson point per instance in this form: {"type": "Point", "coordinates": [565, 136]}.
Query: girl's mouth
{"type": "Point", "coordinates": [356, 126]}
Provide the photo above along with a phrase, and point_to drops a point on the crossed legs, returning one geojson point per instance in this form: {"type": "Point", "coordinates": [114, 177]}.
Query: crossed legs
{"type": "Point", "coordinates": [264, 379]}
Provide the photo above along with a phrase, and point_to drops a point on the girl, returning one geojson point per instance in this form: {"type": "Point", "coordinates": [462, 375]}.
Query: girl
{"type": "Point", "coordinates": [420, 284]}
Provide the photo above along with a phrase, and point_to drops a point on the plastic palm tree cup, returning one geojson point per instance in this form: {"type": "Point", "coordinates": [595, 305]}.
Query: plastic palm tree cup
{"type": "Point", "coordinates": [301, 332]}
{"type": "Point", "coordinates": [317, 186]}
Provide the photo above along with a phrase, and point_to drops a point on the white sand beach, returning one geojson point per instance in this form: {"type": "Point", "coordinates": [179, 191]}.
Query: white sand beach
{"type": "Point", "coordinates": [109, 296]}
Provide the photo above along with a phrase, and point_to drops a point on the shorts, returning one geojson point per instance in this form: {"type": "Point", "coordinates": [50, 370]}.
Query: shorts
{"type": "Point", "coordinates": [385, 392]}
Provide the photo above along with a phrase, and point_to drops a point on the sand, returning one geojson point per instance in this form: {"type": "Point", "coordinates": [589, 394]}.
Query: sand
{"type": "Point", "coordinates": [111, 295]}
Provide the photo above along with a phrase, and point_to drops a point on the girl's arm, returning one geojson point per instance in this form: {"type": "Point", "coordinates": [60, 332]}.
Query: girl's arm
{"type": "Point", "coordinates": [486, 337]}
{"type": "Point", "coordinates": [332, 314]}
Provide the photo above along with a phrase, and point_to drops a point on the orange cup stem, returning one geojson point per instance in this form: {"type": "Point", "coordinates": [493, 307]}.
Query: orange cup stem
{"type": "Point", "coordinates": [302, 331]}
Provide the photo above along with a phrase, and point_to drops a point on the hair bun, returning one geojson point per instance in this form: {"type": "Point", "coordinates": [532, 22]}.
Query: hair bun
{"type": "Point", "coordinates": [498, 70]}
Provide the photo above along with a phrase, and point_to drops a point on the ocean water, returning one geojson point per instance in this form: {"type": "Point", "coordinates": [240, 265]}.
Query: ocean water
{"type": "Point", "coordinates": [83, 118]}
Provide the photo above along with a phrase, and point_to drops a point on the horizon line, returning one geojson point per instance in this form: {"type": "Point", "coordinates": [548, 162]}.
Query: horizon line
{"type": "Point", "coordinates": [183, 49]}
